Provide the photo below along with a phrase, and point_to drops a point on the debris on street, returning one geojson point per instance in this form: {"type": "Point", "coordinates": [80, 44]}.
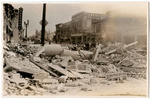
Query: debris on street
{"type": "Point", "coordinates": [32, 72]}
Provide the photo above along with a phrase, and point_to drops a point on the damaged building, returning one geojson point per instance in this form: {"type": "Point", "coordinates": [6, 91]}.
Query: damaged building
{"type": "Point", "coordinates": [12, 23]}
{"type": "Point", "coordinates": [109, 27]}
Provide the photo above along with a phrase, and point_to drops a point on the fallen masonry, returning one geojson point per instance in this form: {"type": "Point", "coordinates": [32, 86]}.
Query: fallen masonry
{"type": "Point", "coordinates": [53, 69]}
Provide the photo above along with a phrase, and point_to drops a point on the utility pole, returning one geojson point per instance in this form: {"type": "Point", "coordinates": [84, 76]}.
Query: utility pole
{"type": "Point", "coordinates": [26, 25]}
{"type": "Point", "coordinates": [43, 25]}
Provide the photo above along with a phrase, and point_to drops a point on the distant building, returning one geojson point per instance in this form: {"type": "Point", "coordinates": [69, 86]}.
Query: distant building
{"type": "Point", "coordinates": [63, 32]}
{"type": "Point", "coordinates": [84, 27]}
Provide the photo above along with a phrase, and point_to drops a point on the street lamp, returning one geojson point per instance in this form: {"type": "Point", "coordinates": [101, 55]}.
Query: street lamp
{"type": "Point", "coordinates": [26, 24]}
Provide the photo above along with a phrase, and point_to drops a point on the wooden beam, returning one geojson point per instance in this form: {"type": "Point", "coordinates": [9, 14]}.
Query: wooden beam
{"type": "Point", "coordinates": [43, 67]}
{"type": "Point", "coordinates": [126, 46]}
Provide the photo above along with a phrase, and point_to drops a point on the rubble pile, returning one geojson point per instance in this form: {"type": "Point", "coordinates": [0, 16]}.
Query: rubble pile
{"type": "Point", "coordinates": [16, 85]}
{"type": "Point", "coordinates": [24, 50]}
{"type": "Point", "coordinates": [37, 71]}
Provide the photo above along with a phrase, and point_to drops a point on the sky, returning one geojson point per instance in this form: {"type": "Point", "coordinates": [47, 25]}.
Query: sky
{"type": "Point", "coordinates": [62, 12]}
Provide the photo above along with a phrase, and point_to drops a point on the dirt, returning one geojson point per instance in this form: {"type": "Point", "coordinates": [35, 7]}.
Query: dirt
{"type": "Point", "coordinates": [131, 87]}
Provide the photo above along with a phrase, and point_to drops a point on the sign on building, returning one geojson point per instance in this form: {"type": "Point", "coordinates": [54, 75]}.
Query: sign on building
{"type": "Point", "coordinates": [45, 22]}
{"type": "Point", "coordinates": [20, 19]}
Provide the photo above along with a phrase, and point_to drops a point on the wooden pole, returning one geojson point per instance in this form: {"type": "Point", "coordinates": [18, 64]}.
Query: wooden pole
{"type": "Point", "coordinates": [43, 25]}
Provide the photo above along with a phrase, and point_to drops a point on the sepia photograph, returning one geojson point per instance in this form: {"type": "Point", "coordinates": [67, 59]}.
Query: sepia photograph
{"type": "Point", "coordinates": [75, 49]}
